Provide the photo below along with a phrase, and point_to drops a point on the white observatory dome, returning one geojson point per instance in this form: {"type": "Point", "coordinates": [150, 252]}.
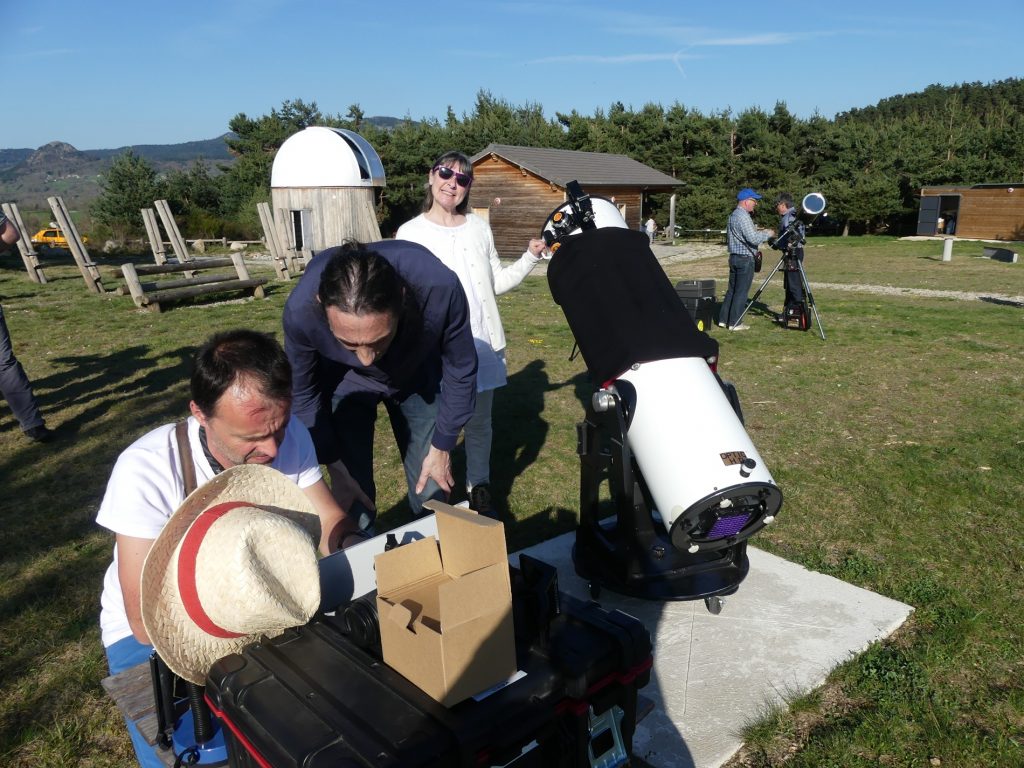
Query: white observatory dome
{"type": "Point", "coordinates": [326, 157]}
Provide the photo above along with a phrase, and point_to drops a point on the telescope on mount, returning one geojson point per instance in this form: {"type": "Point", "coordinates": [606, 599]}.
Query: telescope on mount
{"type": "Point", "coordinates": [686, 486]}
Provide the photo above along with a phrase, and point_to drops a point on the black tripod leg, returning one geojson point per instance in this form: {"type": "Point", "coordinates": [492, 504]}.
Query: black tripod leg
{"type": "Point", "coordinates": [759, 290]}
{"type": "Point", "coordinates": [810, 299]}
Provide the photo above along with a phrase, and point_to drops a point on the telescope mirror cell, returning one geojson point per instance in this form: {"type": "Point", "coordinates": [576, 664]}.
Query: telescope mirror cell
{"type": "Point", "coordinates": [704, 474]}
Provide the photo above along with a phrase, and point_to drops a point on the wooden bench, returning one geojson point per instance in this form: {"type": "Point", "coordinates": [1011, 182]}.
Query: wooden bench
{"type": "Point", "coordinates": [152, 293]}
{"type": "Point", "coordinates": [1001, 254]}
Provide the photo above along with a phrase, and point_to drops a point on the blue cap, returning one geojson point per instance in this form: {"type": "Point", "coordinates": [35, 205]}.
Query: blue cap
{"type": "Point", "coordinates": [746, 194]}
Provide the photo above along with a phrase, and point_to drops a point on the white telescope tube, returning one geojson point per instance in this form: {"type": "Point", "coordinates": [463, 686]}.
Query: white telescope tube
{"type": "Point", "coordinates": [690, 446]}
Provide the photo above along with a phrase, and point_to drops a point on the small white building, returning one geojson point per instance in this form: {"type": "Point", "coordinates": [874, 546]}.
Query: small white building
{"type": "Point", "coordinates": [323, 189]}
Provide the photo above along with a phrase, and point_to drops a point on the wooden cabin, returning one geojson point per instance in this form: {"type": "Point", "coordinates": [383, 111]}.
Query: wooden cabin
{"type": "Point", "coordinates": [323, 189]}
{"type": "Point", "coordinates": [983, 211]}
{"type": "Point", "coordinates": [517, 188]}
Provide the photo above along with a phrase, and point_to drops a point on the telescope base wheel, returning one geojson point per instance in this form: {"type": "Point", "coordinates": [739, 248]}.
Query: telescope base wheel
{"type": "Point", "coordinates": [714, 604]}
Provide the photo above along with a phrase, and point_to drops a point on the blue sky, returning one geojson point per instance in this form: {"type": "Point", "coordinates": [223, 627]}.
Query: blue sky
{"type": "Point", "coordinates": [105, 74]}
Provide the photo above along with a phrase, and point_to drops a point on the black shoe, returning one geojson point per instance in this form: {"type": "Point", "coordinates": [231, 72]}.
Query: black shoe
{"type": "Point", "coordinates": [480, 501]}
{"type": "Point", "coordinates": [41, 434]}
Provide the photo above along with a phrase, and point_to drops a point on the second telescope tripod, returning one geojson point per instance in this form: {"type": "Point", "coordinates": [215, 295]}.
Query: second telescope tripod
{"type": "Point", "coordinates": [808, 296]}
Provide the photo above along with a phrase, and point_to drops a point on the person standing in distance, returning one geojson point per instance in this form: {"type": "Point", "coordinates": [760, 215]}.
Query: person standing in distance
{"type": "Point", "coordinates": [14, 384]}
{"type": "Point", "coordinates": [791, 276]}
{"type": "Point", "coordinates": [464, 243]}
{"type": "Point", "coordinates": [743, 239]}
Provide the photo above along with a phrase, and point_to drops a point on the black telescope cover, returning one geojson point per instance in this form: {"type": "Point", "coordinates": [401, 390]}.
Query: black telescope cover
{"type": "Point", "coordinates": [620, 304]}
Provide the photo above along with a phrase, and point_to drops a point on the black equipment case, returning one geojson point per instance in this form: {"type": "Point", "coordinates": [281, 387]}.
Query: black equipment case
{"type": "Point", "coordinates": [314, 697]}
{"type": "Point", "coordinates": [698, 296]}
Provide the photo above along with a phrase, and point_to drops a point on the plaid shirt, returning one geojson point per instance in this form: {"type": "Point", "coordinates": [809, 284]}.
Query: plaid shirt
{"type": "Point", "coordinates": [742, 235]}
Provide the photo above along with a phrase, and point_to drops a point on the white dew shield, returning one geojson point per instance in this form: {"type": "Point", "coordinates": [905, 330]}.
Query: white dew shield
{"type": "Point", "coordinates": [708, 482]}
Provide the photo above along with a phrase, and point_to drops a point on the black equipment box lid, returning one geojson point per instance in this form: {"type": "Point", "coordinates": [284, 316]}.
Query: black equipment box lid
{"type": "Point", "coordinates": [312, 697]}
{"type": "Point", "coordinates": [695, 289]}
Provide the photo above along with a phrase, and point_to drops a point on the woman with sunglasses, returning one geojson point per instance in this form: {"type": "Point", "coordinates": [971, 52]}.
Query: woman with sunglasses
{"type": "Point", "coordinates": [464, 243]}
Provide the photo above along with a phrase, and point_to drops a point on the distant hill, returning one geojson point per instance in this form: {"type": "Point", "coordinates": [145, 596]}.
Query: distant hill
{"type": "Point", "coordinates": [29, 176]}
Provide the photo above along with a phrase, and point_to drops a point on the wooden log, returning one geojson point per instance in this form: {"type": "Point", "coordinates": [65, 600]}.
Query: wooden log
{"type": "Point", "coordinates": [156, 242]}
{"type": "Point", "coordinates": [153, 299]}
{"type": "Point", "coordinates": [171, 228]}
{"type": "Point", "coordinates": [273, 241]}
{"type": "Point", "coordinates": [190, 266]}
{"type": "Point", "coordinates": [184, 282]}
{"type": "Point", "coordinates": [90, 272]}
{"type": "Point", "coordinates": [131, 278]}
{"type": "Point", "coordinates": [28, 253]}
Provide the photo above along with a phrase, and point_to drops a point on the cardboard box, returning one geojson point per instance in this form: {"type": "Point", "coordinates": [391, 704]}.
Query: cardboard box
{"type": "Point", "coordinates": [445, 607]}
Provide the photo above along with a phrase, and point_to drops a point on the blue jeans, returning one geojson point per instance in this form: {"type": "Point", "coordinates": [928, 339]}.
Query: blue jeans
{"type": "Point", "coordinates": [412, 422]}
{"type": "Point", "coordinates": [477, 438]}
{"type": "Point", "coordinates": [741, 277]}
{"type": "Point", "coordinates": [14, 384]}
{"type": "Point", "coordinates": [125, 654]}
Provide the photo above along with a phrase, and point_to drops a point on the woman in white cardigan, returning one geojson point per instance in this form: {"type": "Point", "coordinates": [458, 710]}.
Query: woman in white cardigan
{"type": "Point", "coordinates": [464, 243]}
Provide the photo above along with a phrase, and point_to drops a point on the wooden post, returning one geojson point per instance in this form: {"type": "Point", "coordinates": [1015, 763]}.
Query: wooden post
{"type": "Point", "coordinates": [156, 240]}
{"type": "Point", "coordinates": [243, 274]}
{"type": "Point", "coordinates": [273, 241]}
{"type": "Point", "coordinates": [134, 285]}
{"type": "Point", "coordinates": [90, 272]}
{"type": "Point", "coordinates": [672, 218]}
{"type": "Point", "coordinates": [28, 253]}
{"type": "Point", "coordinates": [947, 249]}
{"type": "Point", "coordinates": [171, 228]}
{"type": "Point", "coordinates": [293, 255]}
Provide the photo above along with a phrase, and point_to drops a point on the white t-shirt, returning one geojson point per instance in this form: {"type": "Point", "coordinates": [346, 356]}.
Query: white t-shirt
{"type": "Point", "coordinates": [146, 487]}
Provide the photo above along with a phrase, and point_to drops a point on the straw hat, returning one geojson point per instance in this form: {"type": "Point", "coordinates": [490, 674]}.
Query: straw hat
{"type": "Point", "coordinates": [236, 561]}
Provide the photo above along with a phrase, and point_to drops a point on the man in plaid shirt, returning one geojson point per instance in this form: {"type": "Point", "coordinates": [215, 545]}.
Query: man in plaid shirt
{"type": "Point", "coordinates": [743, 240]}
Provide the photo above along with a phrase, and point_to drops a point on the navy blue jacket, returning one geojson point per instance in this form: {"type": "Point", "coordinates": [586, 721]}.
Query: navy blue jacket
{"type": "Point", "coordinates": [432, 353]}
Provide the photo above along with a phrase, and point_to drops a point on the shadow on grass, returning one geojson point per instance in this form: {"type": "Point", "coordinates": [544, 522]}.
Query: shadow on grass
{"type": "Point", "coordinates": [1002, 302]}
{"type": "Point", "coordinates": [111, 410]}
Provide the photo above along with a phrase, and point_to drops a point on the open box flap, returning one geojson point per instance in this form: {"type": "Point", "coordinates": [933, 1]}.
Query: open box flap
{"type": "Point", "coordinates": [469, 541]}
{"type": "Point", "coordinates": [407, 565]}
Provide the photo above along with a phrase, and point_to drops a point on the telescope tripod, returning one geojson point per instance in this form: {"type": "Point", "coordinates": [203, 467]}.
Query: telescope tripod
{"type": "Point", "coordinates": [808, 296]}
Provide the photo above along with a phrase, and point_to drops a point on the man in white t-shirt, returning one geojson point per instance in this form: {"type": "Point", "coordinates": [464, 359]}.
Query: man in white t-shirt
{"type": "Point", "coordinates": [241, 414]}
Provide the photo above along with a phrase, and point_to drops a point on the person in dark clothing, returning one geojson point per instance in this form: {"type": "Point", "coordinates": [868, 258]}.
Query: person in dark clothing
{"type": "Point", "coordinates": [14, 384]}
{"type": "Point", "coordinates": [791, 276]}
{"type": "Point", "coordinates": [385, 323]}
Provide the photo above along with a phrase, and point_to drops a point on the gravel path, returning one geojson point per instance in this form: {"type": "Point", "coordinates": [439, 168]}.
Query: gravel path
{"type": "Point", "coordinates": [668, 254]}
{"type": "Point", "coordinates": [675, 254]}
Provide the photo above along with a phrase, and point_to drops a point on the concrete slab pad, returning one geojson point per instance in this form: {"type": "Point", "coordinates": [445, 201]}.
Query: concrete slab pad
{"type": "Point", "coordinates": [779, 636]}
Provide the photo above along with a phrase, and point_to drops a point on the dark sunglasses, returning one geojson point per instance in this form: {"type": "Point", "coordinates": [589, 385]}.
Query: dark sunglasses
{"type": "Point", "coordinates": [462, 179]}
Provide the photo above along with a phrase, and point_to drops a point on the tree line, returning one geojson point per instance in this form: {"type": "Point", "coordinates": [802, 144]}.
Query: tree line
{"type": "Point", "coordinates": [870, 163]}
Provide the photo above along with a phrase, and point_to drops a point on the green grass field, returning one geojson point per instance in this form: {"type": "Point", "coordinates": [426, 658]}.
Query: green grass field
{"type": "Point", "coordinates": [898, 443]}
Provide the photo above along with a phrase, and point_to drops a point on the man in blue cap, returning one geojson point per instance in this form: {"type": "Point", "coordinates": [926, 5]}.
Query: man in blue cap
{"type": "Point", "coordinates": [743, 239]}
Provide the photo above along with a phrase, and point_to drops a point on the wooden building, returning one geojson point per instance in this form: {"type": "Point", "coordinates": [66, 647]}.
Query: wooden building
{"type": "Point", "coordinates": [983, 211]}
{"type": "Point", "coordinates": [323, 189]}
{"type": "Point", "coordinates": [517, 188]}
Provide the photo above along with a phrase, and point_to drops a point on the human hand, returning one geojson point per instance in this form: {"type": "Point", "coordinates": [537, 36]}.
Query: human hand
{"type": "Point", "coordinates": [537, 247]}
{"type": "Point", "coordinates": [436, 466]}
{"type": "Point", "coordinates": [345, 489]}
